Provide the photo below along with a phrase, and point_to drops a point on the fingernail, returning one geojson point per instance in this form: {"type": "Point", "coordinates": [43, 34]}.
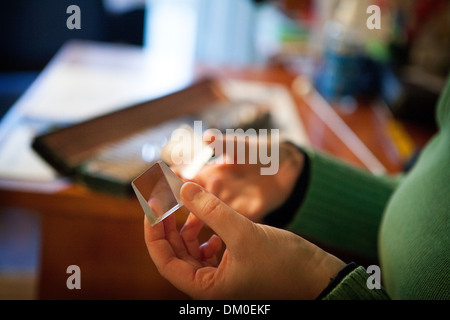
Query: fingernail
{"type": "Point", "coordinates": [189, 190]}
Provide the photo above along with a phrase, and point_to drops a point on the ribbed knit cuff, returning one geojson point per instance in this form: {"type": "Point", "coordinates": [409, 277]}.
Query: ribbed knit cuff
{"type": "Point", "coordinates": [342, 206]}
{"type": "Point", "coordinates": [336, 280]}
{"type": "Point", "coordinates": [354, 287]}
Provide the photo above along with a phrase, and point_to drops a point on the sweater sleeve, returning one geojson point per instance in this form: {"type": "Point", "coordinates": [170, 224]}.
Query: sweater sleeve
{"type": "Point", "coordinates": [342, 205]}
{"type": "Point", "coordinates": [354, 286]}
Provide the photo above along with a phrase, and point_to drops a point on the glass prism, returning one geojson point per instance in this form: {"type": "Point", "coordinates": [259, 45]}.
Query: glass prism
{"type": "Point", "coordinates": [158, 192]}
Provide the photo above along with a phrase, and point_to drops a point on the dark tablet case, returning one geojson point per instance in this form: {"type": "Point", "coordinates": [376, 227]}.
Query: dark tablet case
{"type": "Point", "coordinates": [66, 149]}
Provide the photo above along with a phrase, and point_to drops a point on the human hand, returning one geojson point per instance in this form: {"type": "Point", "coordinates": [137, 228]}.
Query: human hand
{"type": "Point", "coordinates": [260, 262]}
{"type": "Point", "coordinates": [244, 188]}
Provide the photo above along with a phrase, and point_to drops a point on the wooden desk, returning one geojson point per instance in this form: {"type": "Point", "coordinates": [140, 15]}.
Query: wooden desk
{"type": "Point", "coordinates": [103, 234]}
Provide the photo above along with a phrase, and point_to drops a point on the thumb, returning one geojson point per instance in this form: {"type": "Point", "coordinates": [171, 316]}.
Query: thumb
{"type": "Point", "coordinates": [227, 223]}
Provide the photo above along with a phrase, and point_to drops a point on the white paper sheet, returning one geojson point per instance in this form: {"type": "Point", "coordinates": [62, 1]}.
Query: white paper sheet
{"type": "Point", "coordinates": [19, 161]}
{"type": "Point", "coordinates": [283, 108]}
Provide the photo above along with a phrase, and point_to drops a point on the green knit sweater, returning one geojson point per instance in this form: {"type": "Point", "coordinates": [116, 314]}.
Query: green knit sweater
{"type": "Point", "coordinates": [403, 222]}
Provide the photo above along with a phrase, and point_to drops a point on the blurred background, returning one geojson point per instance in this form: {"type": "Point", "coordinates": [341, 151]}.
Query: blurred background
{"type": "Point", "coordinates": [323, 39]}
{"type": "Point", "coordinates": [405, 62]}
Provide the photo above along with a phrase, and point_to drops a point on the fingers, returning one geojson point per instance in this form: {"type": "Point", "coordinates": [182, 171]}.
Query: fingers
{"type": "Point", "coordinates": [177, 256]}
{"type": "Point", "coordinates": [180, 272]}
{"type": "Point", "coordinates": [166, 230]}
{"type": "Point", "coordinates": [209, 250]}
{"type": "Point", "coordinates": [173, 236]}
{"type": "Point", "coordinates": [154, 233]}
{"type": "Point", "coordinates": [227, 223]}
{"type": "Point", "coordinates": [189, 233]}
